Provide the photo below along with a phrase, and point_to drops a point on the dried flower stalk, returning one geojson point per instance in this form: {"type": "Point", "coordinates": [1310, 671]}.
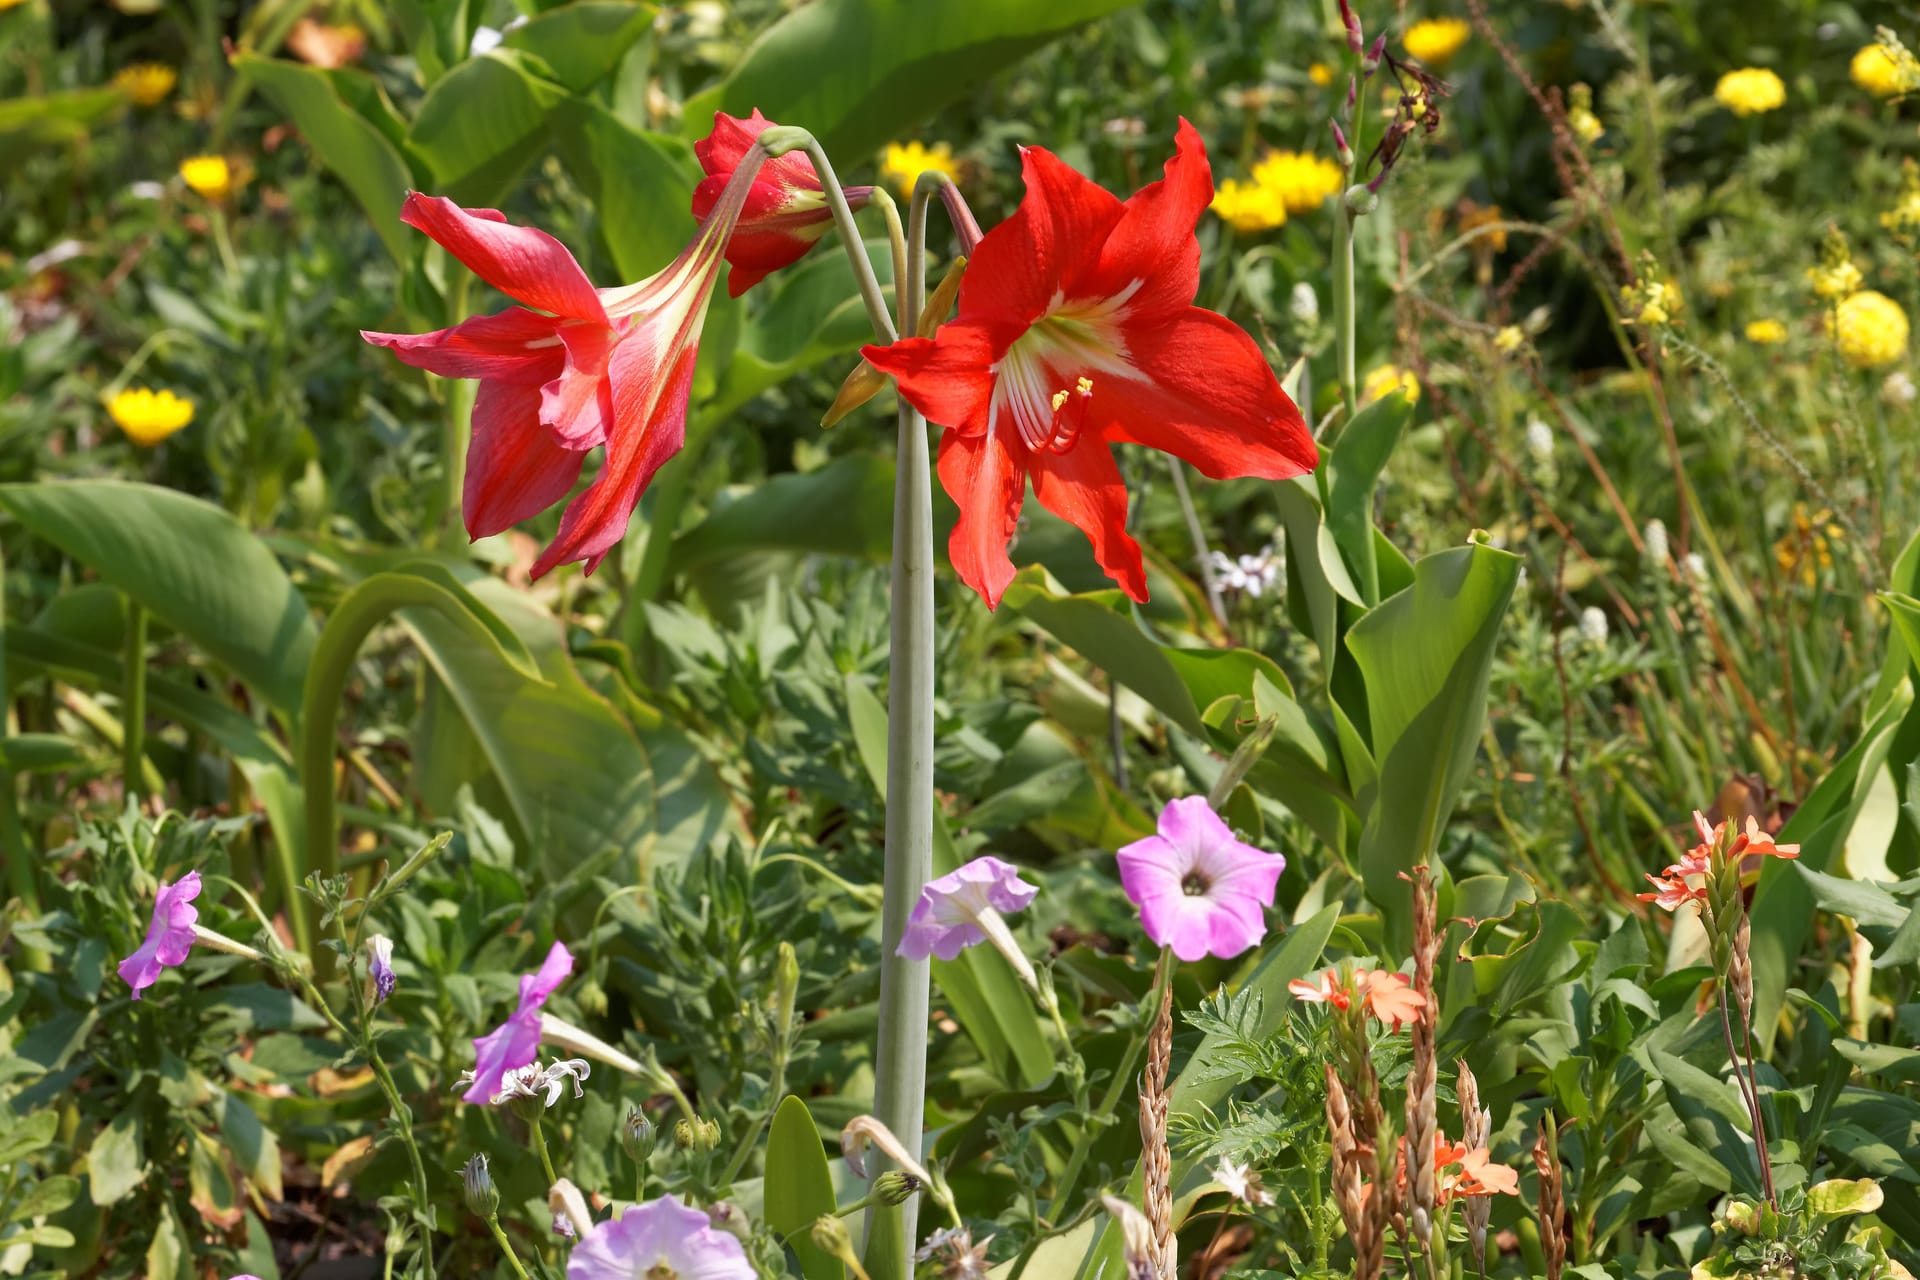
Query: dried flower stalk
{"type": "Point", "coordinates": [1155, 1157]}
{"type": "Point", "coordinates": [1423, 1123]}
{"type": "Point", "coordinates": [1553, 1234]}
{"type": "Point", "coordinates": [1476, 1131]}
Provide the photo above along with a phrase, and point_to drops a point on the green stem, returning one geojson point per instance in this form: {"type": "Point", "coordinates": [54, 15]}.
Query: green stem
{"type": "Point", "coordinates": [133, 703]}
{"type": "Point", "coordinates": [13, 841]}
{"type": "Point", "coordinates": [506, 1246]}
{"type": "Point", "coordinates": [455, 429]}
{"type": "Point", "coordinates": [223, 242]}
{"type": "Point", "coordinates": [540, 1146]}
{"type": "Point", "coordinates": [870, 292]}
{"type": "Point", "coordinates": [900, 1074]}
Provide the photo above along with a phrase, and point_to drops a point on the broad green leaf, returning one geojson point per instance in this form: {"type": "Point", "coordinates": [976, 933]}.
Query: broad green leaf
{"type": "Point", "coordinates": [578, 776]}
{"type": "Point", "coordinates": [45, 1197]}
{"type": "Point", "coordinates": [1843, 1197]}
{"type": "Point", "coordinates": [799, 1187]}
{"type": "Point", "coordinates": [843, 509]}
{"type": "Point", "coordinates": [1313, 603]}
{"type": "Point", "coordinates": [859, 72]}
{"type": "Point", "coordinates": [24, 1137]}
{"type": "Point", "coordinates": [115, 1163]}
{"type": "Point", "coordinates": [255, 1151]}
{"type": "Point", "coordinates": [810, 313]}
{"type": "Point", "coordinates": [30, 124]}
{"type": "Point", "coordinates": [1425, 655]}
{"type": "Point", "coordinates": [582, 43]}
{"type": "Point", "coordinates": [190, 564]}
{"type": "Point", "coordinates": [1359, 456]}
{"type": "Point", "coordinates": [370, 163]}
{"type": "Point", "coordinates": [169, 1256]}
{"type": "Point", "coordinates": [1711, 1144]}
{"type": "Point", "coordinates": [1297, 955]}
{"type": "Point", "coordinates": [641, 184]}
{"type": "Point", "coordinates": [482, 122]}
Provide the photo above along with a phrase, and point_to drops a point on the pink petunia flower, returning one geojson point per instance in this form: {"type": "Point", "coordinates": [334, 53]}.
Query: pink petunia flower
{"type": "Point", "coordinates": [169, 934]}
{"type": "Point", "coordinates": [659, 1238]}
{"type": "Point", "coordinates": [1199, 890]}
{"type": "Point", "coordinates": [957, 910]}
{"type": "Point", "coordinates": [516, 1042]}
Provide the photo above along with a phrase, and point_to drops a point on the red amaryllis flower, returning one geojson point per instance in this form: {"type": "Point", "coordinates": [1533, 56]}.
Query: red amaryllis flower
{"type": "Point", "coordinates": [786, 209]}
{"type": "Point", "coordinates": [600, 367]}
{"type": "Point", "coordinates": [1076, 331]}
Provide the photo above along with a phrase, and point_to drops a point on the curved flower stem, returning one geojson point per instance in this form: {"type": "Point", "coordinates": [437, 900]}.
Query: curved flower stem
{"type": "Point", "coordinates": [781, 139]}
{"type": "Point", "coordinates": [540, 1146]}
{"type": "Point", "coordinates": [133, 703]}
{"type": "Point", "coordinates": [506, 1246]}
{"type": "Point", "coordinates": [900, 1074]}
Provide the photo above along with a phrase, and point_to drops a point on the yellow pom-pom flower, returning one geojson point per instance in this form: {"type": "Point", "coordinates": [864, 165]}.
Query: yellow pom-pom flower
{"type": "Point", "coordinates": [1302, 181]}
{"type": "Point", "coordinates": [1884, 73]}
{"type": "Point", "coordinates": [147, 416]}
{"type": "Point", "coordinates": [1321, 74]}
{"type": "Point", "coordinates": [1766, 333]}
{"type": "Point", "coordinates": [209, 176]}
{"type": "Point", "coordinates": [1835, 280]}
{"type": "Point", "coordinates": [1436, 40]}
{"type": "Point", "coordinates": [1387, 378]}
{"type": "Point", "coordinates": [1249, 207]}
{"type": "Point", "coordinates": [1870, 329]}
{"type": "Point", "coordinates": [903, 164]}
{"type": "Point", "coordinates": [146, 83]}
{"type": "Point", "coordinates": [1750, 91]}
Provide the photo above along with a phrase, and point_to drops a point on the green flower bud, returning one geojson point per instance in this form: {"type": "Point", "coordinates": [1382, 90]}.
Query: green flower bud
{"type": "Point", "coordinates": [483, 1198]}
{"type": "Point", "coordinates": [637, 1135]}
{"type": "Point", "coordinates": [830, 1235]}
{"type": "Point", "coordinates": [894, 1187]}
{"type": "Point", "coordinates": [683, 1136]}
{"type": "Point", "coordinates": [786, 987]}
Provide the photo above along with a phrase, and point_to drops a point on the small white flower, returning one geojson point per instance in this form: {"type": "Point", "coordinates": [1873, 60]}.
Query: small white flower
{"type": "Point", "coordinates": [1304, 304]}
{"type": "Point", "coordinates": [532, 1080]}
{"type": "Point", "coordinates": [1539, 440]}
{"type": "Point", "coordinates": [1898, 390]}
{"type": "Point", "coordinates": [1241, 1182]}
{"type": "Point", "coordinates": [148, 190]}
{"type": "Point", "coordinates": [1254, 574]}
{"type": "Point", "coordinates": [484, 39]}
{"type": "Point", "coordinates": [1697, 567]}
{"type": "Point", "coordinates": [1593, 626]}
{"type": "Point", "coordinates": [1654, 539]}
{"type": "Point", "coordinates": [706, 19]}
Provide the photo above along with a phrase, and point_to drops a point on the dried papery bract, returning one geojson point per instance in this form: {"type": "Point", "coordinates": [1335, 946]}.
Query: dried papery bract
{"type": "Point", "coordinates": [1349, 1175]}
{"type": "Point", "coordinates": [1423, 1124]}
{"type": "Point", "coordinates": [1156, 1160]}
{"type": "Point", "coordinates": [1476, 1129]}
{"type": "Point", "coordinates": [1553, 1231]}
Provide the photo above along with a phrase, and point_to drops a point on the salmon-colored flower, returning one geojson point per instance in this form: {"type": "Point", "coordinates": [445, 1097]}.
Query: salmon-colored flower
{"type": "Point", "coordinates": [785, 212]}
{"type": "Point", "coordinates": [1685, 881]}
{"type": "Point", "coordinates": [1327, 988]}
{"type": "Point", "coordinates": [1076, 332]}
{"type": "Point", "coordinates": [1390, 996]}
{"type": "Point", "coordinates": [572, 369]}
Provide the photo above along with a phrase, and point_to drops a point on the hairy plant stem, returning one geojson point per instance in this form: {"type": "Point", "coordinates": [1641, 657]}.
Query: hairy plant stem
{"type": "Point", "coordinates": [539, 1139]}
{"type": "Point", "coordinates": [133, 703]}
{"type": "Point", "coordinates": [506, 1246]}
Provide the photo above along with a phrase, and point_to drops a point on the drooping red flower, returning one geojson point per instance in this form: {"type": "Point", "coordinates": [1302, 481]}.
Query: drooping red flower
{"type": "Point", "coordinates": [573, 369]}
{"type": "Point", "coordinates": [786, 209]}
{"type": "Point", "coordinates": [1076, 331]}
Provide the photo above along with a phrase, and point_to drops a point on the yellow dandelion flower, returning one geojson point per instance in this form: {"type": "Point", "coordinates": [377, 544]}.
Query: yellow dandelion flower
{"type": "Point", "coordinates": [1302, 181]}
{"type": "Point", "coordinates": [1885, 73]}
{"type": "Point", "coordinates": [903, 164]}
{"type": "Point", "coordinates": [1389, 378]}
{"type": "Point", "coordinates": [1586, 126]}
{"type": "Point", "coordinates": [1508, 340]}
{"type": "Point", "coordinates": [146, 83]}
{"type": "Point", "coordinates": [1436, 40]}
{"type": "Point", "coordinates": [209, 176]}
{"type": "Point", "coordinates": [1870, 329]}
{"type": "Point", "coordinates": [1766, 333]}
{"type": "Point", "coordinates": [1750, 91]}
{"type": "Point", "coordinates": [8, 4]}
{"type": "Point", "coordinates": [1321, 74]}
{"type": "Point", "coordinates": [1249, 207]}
{"type": "Point", "coordinates": [1653, 301]}
{"type": "Point", "coordinates": [147, 416]}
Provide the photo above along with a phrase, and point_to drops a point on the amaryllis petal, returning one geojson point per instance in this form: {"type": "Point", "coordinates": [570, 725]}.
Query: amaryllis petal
{"type": "Point", "coordinates": [577, 406]}
{"type": "Point", "coordinates": [1052, 238]}
{"type": "Point", "coordinates": [524, 263]}
{"type": "Point", "coordinates": [947, 377]}
{"type": "Point", "coordinates": [981, 475]}
{"type": "Point", "coordinates": [515, 468]}
{"type": "Point", "coordinates": [515, 346]}
{"type": "Point", "coordinates": [1084, 488]}
{"type": "Point", "coordinates": [1209, 397]}
{"type": "Point", "coordinates": [650, 409]}
{"type": "Point", "coordinates": [785, 212]}
{"type": "Point", "coordinates": [1153, 241]}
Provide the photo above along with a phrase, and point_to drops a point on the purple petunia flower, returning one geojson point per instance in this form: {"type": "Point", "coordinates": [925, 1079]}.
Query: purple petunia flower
{"type": "Point", "coordinates": [953, 911]}
{"type": "Point", "coordinates": [516, 1042]}
{"type": "Point", "coordinates": [1199, 890]}
{"type": "Point", "coordinates": [169, 934]}
{"type": "Point", "coordinates": [661, 1237]}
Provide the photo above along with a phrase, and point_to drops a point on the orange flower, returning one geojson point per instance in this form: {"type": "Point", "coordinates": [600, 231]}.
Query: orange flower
{"type": "Point", "coordinates": [1327, 989]}
{"type": "Point", "coordinates": [1673, 888]}
{"type": "Point", "coordinates": [1390, 997]}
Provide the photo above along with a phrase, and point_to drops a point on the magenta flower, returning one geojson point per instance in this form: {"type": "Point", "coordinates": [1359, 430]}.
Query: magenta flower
{"type": "Point", "coordinates": [169, 934]}
{"type": "Point", "coordinates": [659, 1238]}
{"type": "Point", "coordinates": [958, 909]}
{"type": "Point", "coordinates": [516, 1042]}
{"type": "Point", "coordinates": [1199, 890]}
